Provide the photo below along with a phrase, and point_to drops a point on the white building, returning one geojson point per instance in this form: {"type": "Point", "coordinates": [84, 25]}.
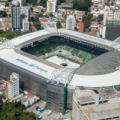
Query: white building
{"type": "Point", "coordinates": [117, 2]}
{"type": "Point", "coordinates": [27, 100]}
{"type": "Point", "coordinates": [25, 12]}
{"type": "Point", "coordinates": [117, 15]}
{"type": "Point", "coordinates": [99, 104]}
{"type": "Point", "coordinates": [97, 1]}
{"type": "Point", "coordinates": [51, 5]}
{"type": "Point", "coordinates": [18, 13]}
{"type": "Point", "coordinates": [70, 22]}
{"type": "Point", "coordinates": [13, 86]}
{"type": "Point", "coordinates": [25, 25]}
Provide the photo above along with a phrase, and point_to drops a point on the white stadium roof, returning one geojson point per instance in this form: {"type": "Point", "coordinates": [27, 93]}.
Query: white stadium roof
{"type": "Point", "coordinates": [11, 56]}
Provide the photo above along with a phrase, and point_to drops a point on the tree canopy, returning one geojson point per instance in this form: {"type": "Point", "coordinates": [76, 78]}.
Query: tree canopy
{"type": "Point", "coordinates": [3, 13]}
{"type": "Point", "coordinates": [14, 111]}
{"type": "Point", "coordinates": [43, 3]}
{"type": "Point", "coordinates": [86, 20]}
{"type": "Point", "coordinates": [81, 4]}
{"type": "Point", "coordinates": [9, 34]}
{"type": "Point", "coordinates": [60, 1]}
{"type": "Point", "coordinates": [59, 24]}
{"type": "Point", "coordinates": [31, 1]}
{"type": "Point", "coordinates": [37, 22]}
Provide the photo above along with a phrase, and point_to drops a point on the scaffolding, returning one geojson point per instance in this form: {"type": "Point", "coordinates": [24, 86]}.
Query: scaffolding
{"type": "Point", "coordinates": [56, 90]}
{"type": "Point", "coordinates": [62, 76]}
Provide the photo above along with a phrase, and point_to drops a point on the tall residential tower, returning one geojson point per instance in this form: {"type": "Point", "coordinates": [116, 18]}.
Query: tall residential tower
{"type": "Point", "coordinates": [13, 86]}
{"type": "Point", "coordinates": [70, 22]}
{"type": "Point", "coordinates": [16, 16]}
{"type": "Point", "coordinates": [51, 6]}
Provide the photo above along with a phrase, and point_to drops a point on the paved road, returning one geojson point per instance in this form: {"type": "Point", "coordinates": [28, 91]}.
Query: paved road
{"type": "Point", "coordinates": [44, 113]}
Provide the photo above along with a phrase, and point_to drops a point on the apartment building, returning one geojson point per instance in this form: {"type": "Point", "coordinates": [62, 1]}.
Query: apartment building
{"type": "Point", "coordinates": [18, 14]}
{"type": "Point", "coordinates": [25, 25]}
{"type": "Point", "coordinates": [70, 22]}
{"type": "Point", "coordinates": [13, 86]}
{"type": "Point", "coordinates": [51, 6]}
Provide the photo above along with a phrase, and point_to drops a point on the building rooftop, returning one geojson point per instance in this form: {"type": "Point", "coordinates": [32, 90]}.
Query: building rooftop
{"type": "Point", "coordinates": [13, 78]}
{"type": "Point", "coordinates": [9, 82]}
{"type": "Point", "coordinates": [29, 95]}
{"type": "Point", "coordinates": [102, 111]}
{"type": "Point", "coordinates": [23, 99]}
{"type": "Point", "coordinates": [86, 99]}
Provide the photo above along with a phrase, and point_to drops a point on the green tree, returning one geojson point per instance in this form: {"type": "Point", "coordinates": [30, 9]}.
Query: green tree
{"type": "Point", "coordinates": [14, 111]}
{"type": "Point", "coordinates": [43, 3]}
{"type": "Point", "coordinates": [86, 20]}
{"type": "Point", "coordinates": [40, 15]}
{"type": "Point", "coordinates": [31, 1]}
{"type": "Point", "coordinates": [59, 24]}
{"type": "Point", "coordinates": [60, 1]}
{"type": "Point", "coordinates": [82, 4]}
{"type": "Point", "coordinates": [9, 34]}
{"type": "Point", "coordinates": [31, 9]}
{"type": "Point", "coordinates": [51, 15]}
{"type": "Point", "coordinates": [3, 13]}
{"type": "Point", "coordinates": [37, 23]}
{"type": "Point", "coordinates": [6, 4]}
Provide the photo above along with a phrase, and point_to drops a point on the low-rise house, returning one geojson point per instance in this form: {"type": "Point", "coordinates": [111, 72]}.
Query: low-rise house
{"type": "Point", "coordinates": [28, 100]}
{"type": "Point", "coordinates": [79, 14]}
{"type": "Point", "coordinates": [6, 26]}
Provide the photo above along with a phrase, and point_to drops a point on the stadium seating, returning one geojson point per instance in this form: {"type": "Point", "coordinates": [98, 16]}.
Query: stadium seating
{"type": "Point", "coordinates": [83, 50]}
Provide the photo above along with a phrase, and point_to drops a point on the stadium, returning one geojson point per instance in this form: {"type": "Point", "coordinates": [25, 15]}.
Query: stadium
{"type": "Point", "coordinates": [52, 64]}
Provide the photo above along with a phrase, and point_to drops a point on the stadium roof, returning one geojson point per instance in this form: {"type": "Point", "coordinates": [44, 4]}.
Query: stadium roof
{"type": "Point", "coordinates": [85, 37]}
{"type": "Point", "coordinates": [99, 72]}
{"type": "Point", "coordinates": [103, 64]}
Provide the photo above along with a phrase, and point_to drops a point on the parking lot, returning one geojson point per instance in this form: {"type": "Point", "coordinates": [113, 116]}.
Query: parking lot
{"type": "Point", "coordinates": [54, 115]}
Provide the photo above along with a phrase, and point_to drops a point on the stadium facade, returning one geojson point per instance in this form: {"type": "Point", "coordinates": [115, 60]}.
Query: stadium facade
{"type": "Point", "coordinates": [36, 74]}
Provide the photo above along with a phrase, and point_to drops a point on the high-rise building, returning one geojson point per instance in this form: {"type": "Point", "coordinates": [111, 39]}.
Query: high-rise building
{"type": "Point", "coordinates": [51, 5]}
{"type": "Point", "coordinates": [25, 12]}
{"type": "Point", "coordinates": [117, 15]}
{"type": "Point", "coordinates": [25, 25]}
{"type": "Point", "coordinates": [70, 22]}
{"type": "Point", "coordinates": [22, 2]}
{"type": "Point", "coordinates": [13, 86]}
{"type": "Point", "coordinates": [16, 15]}
{"type": "Point", "coordinates": [111, 25]}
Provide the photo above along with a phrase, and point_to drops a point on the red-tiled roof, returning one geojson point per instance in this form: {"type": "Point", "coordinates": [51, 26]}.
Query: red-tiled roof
{"type": "Point", "coordinates": [9, 82]}
{"type": "Point", "coordinates": [29, 95]}
{"type": "Point", "coordinates": [2, 82]}
{"type": "Point", "coordinates": [6, 25]}
{"type": "Point", "coordinates": [32, 26]}
{"type": "Point", "coordinates": [13, 78]}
